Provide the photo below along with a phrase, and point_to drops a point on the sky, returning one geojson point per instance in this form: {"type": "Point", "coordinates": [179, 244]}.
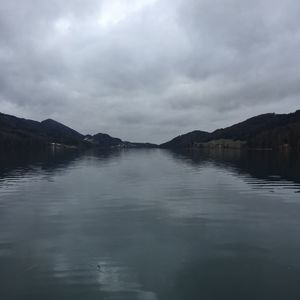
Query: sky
{"type": "Point", "coordinates": [148, 70]}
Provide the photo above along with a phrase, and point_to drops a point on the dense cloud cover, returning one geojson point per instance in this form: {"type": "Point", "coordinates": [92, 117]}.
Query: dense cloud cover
{"type": "Point", "coordinates": [148, 69]}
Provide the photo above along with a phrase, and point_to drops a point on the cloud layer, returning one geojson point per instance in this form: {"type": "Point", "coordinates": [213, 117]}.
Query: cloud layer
{"type": "Point", "coordinates": [148, 69]}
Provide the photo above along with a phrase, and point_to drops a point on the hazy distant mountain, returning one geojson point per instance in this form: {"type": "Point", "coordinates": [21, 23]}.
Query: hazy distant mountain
{"type": "Point", "coordinates": [263, 131]}
{"type": "Point", "coordinates": [105, 140]}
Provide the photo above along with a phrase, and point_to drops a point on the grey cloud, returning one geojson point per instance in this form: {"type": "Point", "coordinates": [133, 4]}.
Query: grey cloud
{"type": "Point", "coordinates": [147, 70]}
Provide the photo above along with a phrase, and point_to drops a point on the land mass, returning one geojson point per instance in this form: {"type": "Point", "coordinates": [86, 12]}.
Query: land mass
{"type": "Point", "coordinates": [267, 131]}
{"type": "Point", "coordinates": [18, 133]}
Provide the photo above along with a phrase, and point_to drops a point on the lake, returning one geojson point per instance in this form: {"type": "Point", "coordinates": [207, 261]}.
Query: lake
{"type": "Point", "coordinates": [150, 224]}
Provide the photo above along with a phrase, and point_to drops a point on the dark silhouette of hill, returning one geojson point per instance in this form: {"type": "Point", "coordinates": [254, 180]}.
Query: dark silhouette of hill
{"type": "Point", "coordinates": [187, 140]}
{"type": "Point", "coordinates": [61, 133]}
{"type": "Point", "coordinates": [16, 133]}
{"type": "Point", "coordinates": [102, 139]}
{"type": "Point", "coordinates": [263, 131]}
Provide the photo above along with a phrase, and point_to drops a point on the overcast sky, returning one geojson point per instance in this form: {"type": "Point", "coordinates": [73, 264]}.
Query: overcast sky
{"type": "Point", "coordinates": [148, 70]}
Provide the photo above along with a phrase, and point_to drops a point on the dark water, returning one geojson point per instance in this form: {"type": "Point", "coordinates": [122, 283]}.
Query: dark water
{"type": "Point", "coordinates": [150, 224]}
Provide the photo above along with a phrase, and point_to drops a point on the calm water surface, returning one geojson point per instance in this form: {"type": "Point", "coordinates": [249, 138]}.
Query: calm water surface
{"type": "Point", "coordinates": [150, 224]}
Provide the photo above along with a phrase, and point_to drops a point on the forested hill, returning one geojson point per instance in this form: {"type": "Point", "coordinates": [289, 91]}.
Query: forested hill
{"type": "Point", "coordinates": [263, 131]}
{"type": "Point", "coordinates": [270, 131]}
{"type": "Point", "coordinates": [16, 133]}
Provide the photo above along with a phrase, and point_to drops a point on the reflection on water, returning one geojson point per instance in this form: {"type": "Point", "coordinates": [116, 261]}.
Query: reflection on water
{"type": "Point", "coordinates": [149, 224]}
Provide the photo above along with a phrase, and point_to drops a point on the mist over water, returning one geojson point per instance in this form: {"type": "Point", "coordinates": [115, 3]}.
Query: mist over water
{"type": "Point", "coordinates": [150, 224]}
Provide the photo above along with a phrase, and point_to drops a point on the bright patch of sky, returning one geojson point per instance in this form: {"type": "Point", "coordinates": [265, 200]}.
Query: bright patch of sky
{"type": "Point", "coordinates": [115, 11]}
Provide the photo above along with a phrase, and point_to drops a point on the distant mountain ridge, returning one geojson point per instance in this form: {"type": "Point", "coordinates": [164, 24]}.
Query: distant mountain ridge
{"type": "Point", "coordinates": [18, 132]}
{"type": "Point", "coordinates": [264, 131]}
